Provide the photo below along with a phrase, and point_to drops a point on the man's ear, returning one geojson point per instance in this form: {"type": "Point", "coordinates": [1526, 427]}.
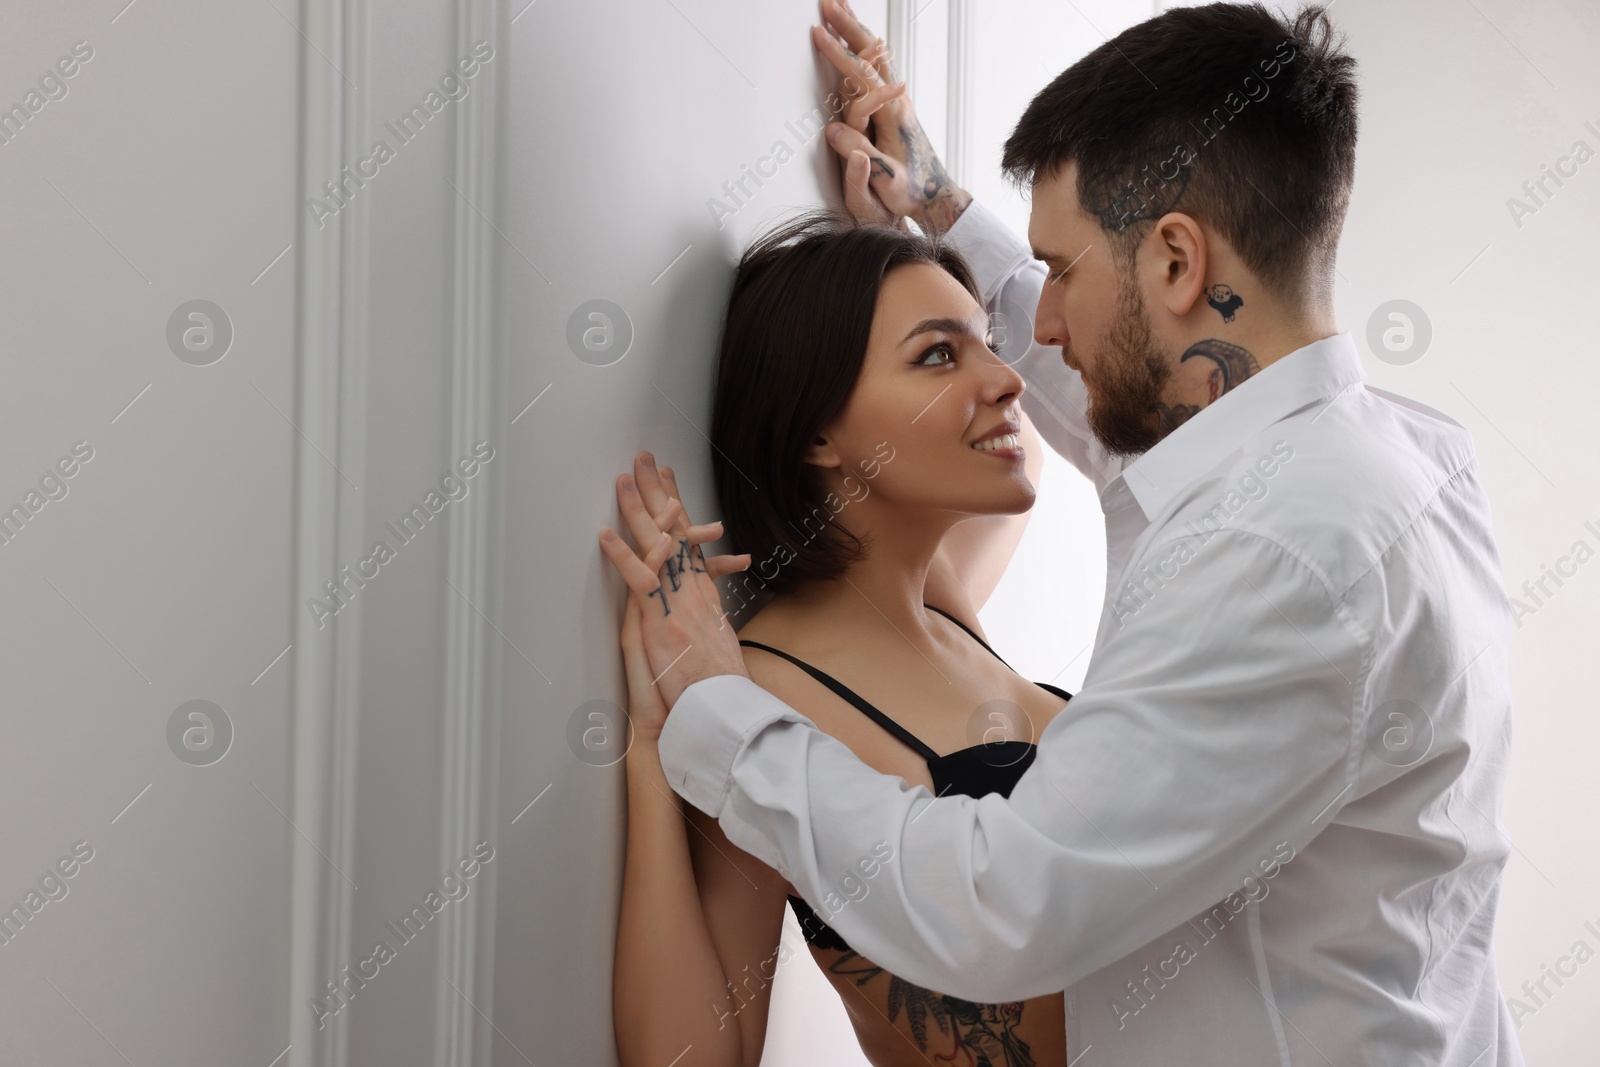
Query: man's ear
{"type": "Point", "coordinates": [1181, 255]}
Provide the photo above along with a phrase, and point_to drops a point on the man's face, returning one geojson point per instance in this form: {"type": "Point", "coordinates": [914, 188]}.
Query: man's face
{"type": "Point", "coordinates": [1092, 308]}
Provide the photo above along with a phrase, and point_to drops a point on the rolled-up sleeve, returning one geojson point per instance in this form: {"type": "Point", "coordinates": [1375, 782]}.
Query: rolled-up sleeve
{"type": "Point", "coordinates": [1011, 280]}
{"type": "Point", "coordinates": [1191, 751]}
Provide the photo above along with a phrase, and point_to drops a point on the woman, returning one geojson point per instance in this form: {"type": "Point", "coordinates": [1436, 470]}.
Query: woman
{"type": "Point", "coordinates": [859, 417]}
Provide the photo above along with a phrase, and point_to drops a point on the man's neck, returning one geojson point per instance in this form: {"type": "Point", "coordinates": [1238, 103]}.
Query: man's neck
{"type": "Point", "coordinates": [1222, 360]}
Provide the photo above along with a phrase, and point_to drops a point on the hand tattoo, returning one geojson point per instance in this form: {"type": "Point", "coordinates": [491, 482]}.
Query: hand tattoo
{"type": "Point", "coordinates": [881, 166]}
{"type": "Point", "coordinates": [941, 200]}
{"type": "Point", "coordinates": [688, 559]}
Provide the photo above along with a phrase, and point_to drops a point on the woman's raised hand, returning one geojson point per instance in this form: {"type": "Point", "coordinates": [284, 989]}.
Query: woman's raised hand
{"type": "Point", "coordinates": [890, 168]}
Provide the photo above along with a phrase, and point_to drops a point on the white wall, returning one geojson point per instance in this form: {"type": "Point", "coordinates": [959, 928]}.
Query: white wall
{"type": "Point", "coordinates": [624, 120]}
{"type": "Point", "coordinates": [179, 565]}
{"type": "Point", "coordinates": [165, 174]}
{"type": "Point", "coordinates": [1457, 114]}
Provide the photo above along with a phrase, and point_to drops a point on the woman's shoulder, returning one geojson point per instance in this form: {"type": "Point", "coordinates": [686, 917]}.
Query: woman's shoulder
{"type": "Point", "coordinates": [793, 629]}
{"type": "Point", "coordinates": [781, 623]}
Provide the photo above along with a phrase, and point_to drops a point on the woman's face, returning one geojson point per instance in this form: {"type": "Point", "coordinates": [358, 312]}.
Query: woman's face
{"type": "Point", "coordinates": [930, 389]}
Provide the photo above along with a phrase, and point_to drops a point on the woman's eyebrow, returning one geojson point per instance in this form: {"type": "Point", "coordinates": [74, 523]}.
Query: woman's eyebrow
{"type": "Point", "coordinates": [956, 326]}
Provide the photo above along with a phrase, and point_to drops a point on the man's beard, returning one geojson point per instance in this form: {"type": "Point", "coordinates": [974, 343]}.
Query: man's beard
{"type": "Point", "coordinates": [1131, 373]}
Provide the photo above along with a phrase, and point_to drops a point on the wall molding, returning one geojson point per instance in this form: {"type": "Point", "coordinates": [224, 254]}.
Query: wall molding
{"type": "Point", "coordinates": [330, 414]}
{"type": "Point", "coordinates": [959, 76]}
{"type": "Point", "coordinates": [899, 36]}
{"type": "Point", "coordinates": [464, 993]}
{"type": "Point", "coordinates": [958, 90]}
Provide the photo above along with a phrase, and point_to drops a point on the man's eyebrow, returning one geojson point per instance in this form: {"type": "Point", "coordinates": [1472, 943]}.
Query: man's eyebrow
{"type": "Point", "coordinates": [956, 326]}
{"type": "Point", "coordinates": [1058, 257]}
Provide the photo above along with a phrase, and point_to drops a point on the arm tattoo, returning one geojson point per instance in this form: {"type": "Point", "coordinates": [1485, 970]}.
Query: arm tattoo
{"type": "Point", "coordinates": [688, 559]}
{"type": "Point", "coordinates": [1234, 364]}
{"type": "Point", "coordinates": [1225, 300]}
{"type": "Point", "coordinates": [983, 1033]}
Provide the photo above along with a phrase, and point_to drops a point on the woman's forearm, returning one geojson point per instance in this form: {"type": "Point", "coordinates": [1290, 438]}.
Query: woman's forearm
{"type": "Point", "coordinates": [668, 987]}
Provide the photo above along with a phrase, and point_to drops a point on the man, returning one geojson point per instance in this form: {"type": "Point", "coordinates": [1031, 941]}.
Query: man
{"type": "Point", "coordinates": [1266, 829]}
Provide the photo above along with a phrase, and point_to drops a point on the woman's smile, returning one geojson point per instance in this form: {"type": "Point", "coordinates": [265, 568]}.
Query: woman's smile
{"type": "Point", "coordinates": [1005, 442]}
{"type": "Point", "coordinates": [1012, 452]}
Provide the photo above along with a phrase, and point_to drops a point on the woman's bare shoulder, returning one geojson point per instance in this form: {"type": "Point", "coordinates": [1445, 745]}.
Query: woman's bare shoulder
{"type": "Point", "coordinates": [779, 626]}
{"type": "Point", "coordinates": [784, 624]}
{"type": "Point", "coordinates": [807, 635]}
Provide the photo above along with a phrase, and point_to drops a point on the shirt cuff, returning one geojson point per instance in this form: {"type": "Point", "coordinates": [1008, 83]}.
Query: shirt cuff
{"type": "Point", "coordinates": [989, 247]}
{"type": "Point", "coordinates": [707, 729]}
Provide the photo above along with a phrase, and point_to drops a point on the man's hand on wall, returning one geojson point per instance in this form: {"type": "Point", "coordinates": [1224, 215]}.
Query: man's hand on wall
{"type": "Point", "coordinates": [890, 168]}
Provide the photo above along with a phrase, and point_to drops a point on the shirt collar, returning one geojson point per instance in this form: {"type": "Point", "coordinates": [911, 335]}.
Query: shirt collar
{"type": "Point", "coordinates": [1319, 370]}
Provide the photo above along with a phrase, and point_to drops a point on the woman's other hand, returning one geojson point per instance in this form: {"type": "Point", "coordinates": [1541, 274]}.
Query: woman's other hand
{"type": "Point", "coordinates": [647, 712]}
{"type": "Point", "coordinates": [890, 169]}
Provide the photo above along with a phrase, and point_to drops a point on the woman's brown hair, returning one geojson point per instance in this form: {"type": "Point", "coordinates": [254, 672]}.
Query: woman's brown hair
{"type": "Point", "coordinates": [793, 344]}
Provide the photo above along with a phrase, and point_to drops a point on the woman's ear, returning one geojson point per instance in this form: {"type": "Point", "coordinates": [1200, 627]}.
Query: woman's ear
{"type": "Point", "coordinates": [823, 453]}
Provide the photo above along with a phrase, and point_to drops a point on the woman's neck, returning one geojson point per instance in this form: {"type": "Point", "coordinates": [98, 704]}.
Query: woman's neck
{"type": "Point", "coordinates": [886, 588]}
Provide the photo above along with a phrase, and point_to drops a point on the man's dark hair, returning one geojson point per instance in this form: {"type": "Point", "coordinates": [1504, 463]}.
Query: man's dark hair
{"type": "Point", "coordinates": [1228, 112]}
{"type": "Point", "coordinates": [793, 343]}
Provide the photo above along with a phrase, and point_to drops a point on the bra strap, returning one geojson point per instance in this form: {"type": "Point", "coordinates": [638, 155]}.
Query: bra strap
{"type": "Point", "coordinates": [967, 628]}
{"type": "Point", "coordinates": [839, 688]}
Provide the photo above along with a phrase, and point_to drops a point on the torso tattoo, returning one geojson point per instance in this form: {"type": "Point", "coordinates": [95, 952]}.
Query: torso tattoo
{"type": "Point", "coordinates": [963, 1033]}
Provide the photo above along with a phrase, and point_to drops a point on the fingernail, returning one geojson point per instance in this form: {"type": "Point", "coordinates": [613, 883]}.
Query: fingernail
{"type": "Point", "coordinates": [607, 535]}
{"type": "Point", "coordinates": [649, 460]}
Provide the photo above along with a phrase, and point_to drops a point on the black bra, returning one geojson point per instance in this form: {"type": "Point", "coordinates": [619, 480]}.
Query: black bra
{"type": "Point", "coordinates": [977, 770]}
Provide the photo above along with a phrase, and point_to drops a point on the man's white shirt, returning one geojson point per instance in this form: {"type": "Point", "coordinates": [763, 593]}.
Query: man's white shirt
{"type": "Point", "coordinates": [1266, 830]}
